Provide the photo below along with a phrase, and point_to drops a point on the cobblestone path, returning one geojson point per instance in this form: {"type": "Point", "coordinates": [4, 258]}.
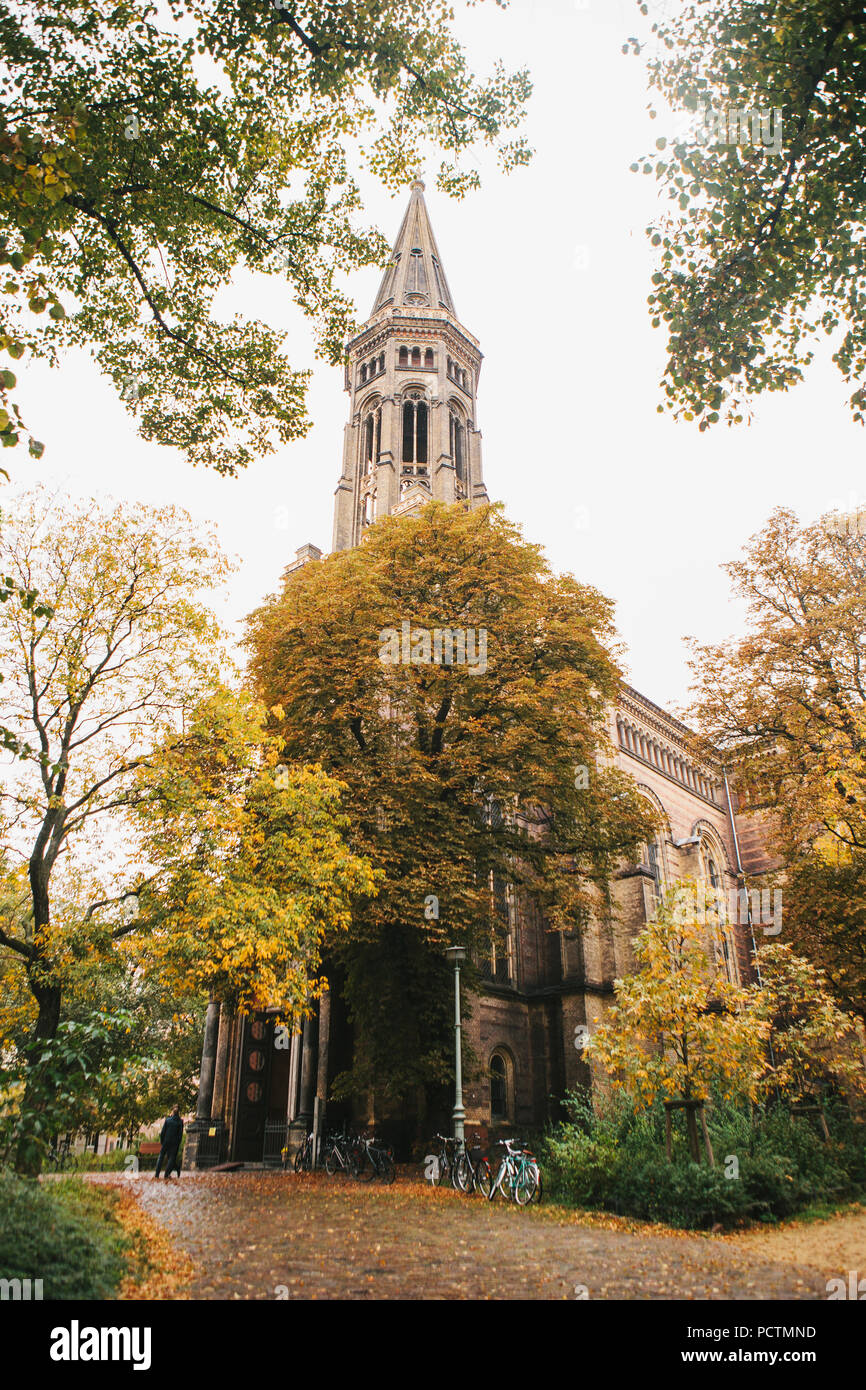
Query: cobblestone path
{"type": "Point", "coordinates": [264, 1235]}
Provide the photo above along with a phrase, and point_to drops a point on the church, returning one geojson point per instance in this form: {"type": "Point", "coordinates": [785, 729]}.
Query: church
{"type": "Point", "coordinates": [412, 377]}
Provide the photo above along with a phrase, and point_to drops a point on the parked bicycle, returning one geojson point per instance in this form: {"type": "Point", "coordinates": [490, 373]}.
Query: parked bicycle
{"type": "Point", "coordinates": [446, 1151]}
{"type": "Point", "coordinates": [341, 1154]}
{"type": "Point", "coordinates": [518, 1175]}
{"type": "Point", "coordinates": [304, 1155]}
{"type": "Point", "coordinates": [373, 1160]}
{"type": "Point", "coordinates": [472, 1170]}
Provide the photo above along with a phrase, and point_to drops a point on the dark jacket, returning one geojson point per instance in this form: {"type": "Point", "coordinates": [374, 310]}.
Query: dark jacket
{"type": "Point", "coordinates": [171, 1132]}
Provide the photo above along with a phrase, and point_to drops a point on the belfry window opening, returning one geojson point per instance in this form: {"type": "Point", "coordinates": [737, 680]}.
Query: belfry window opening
{"type": "Point", "coordinates": [371, 440]}
{"type": "Point", "coordinates": [458, 451]}
{"type": "Point", "coordinates": [415, 422]}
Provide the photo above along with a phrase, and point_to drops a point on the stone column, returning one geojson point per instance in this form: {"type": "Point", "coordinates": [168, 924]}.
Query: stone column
{"type": "Point", "coordinates": [345, 496]}
{"type": "Point", "coordinates": [221, 1066]}
{"type": "Point", "coordinates": [208, 1060]}
{"type": "Point", "coordinates": [294, 1076]}
{"type": "Point", "coordinates": [322, 1070]}
{"type": "Point", "coordinates": [303, 1121]}
{"type": "Point", "coordinates": [388, 470]}
{"type": "Point", "coordinates": [442, 464]}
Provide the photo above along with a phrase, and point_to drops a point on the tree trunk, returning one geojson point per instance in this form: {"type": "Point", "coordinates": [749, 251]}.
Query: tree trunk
{"type": "Point", "coordinates": [28, 1153]}
{"type": "Point", "coordinates": [692, 1126]}
{"type": "Point", "coordinates": [707, 1145]}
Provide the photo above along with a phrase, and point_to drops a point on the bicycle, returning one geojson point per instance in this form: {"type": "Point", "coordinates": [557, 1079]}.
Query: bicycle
{"type": "Point", "coordinates": [472, 1171]}
{"type": "Point", "coordinates": [518, 1173]}
{"type": "Point", "coordinates": [340, 1154]}
{"type": "Point", "coordinates": [526, 1187]}
{"type": "Point", "coordinates": [304, 1156]}
{"type": "Point", "coordinates": [447, 1158]}
{"type": "Point", "coordinates": [374, 1160]}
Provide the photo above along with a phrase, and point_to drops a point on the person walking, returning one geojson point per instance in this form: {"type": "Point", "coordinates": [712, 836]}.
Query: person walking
{"type": "Point", "coordinates": [170, 1138]}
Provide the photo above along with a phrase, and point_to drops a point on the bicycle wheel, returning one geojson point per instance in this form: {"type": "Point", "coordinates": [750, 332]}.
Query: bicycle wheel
{"type": "Point", "coordinates": [387, 1168]}
{"type": "Point", "coordinates": [463, 1175]}
{"type": "Point", "coordinates": [331, 1163]}
{"type": "Point", "coordinates": [366, 1167]}
{"type": "Point", "coordinates": [483, 1178]}
{"type": "Point", "coordinates": [506, 1184]}
{"type": "Point", "coordinates": [299, 1160]}
{"type": "Point", "coordinates": [536, 1196]}
{"type": "Point", "coordinates": [523, 1186]}
{"type": "Point", "coordinates": [444, 1177]}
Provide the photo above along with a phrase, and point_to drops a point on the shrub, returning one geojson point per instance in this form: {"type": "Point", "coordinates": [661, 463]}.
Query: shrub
{"type": "Point", "coordinates": [63, 1232]}
{"type": "Point", "coordinates": [769, 1163]}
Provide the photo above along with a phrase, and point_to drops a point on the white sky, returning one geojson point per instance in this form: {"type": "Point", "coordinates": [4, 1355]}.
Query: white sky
{"type": "Point", "coordinates": [550, 269]}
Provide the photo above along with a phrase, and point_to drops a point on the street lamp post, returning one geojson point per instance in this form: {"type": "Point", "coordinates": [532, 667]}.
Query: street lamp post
{"type": "Point", "coordinates": [457, 954]}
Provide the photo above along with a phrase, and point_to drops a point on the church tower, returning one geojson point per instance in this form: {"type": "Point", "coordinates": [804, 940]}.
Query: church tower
{"type": "Point", "coordinates": [412, 377]}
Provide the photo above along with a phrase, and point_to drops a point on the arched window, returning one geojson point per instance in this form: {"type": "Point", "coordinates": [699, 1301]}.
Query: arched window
{"type": "Point", "coordinates": [428, 357]}
{"type": "Point", "coordinates": [416, 357]}
{"type": "Point", "coordinates": [722, 935]}
{"type": "Point", "coordinates": [415, 429]}
{"type": "Point", "coordinates": [363, 373]}
{"type": "Point", "coordinates": [403, 357]}
{"type": "Point", "coordinates": [653, 860]}
{"type": "Point", "coordinates": [498, 1088]}
{"type": "Point", "coordinates": [458, 450]}
{"type": "Point", "coordinates": [371, 439]}
{"type": "Point", "coordinates": [381, 361]}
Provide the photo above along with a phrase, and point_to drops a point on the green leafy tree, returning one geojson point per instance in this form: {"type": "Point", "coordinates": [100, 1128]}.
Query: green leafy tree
{"type": "Point", "coordinates": [761, 252]}
{"type": "Point", "coordinates": [147, 153]}
{"type": "Point", "coordinates": [465, 781]}
{"type": "Point", "coordinates": [59, 1080]}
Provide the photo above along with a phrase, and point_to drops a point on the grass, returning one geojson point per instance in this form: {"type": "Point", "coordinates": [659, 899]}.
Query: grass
{"type": "Point", "coordinates": [67, 1233]}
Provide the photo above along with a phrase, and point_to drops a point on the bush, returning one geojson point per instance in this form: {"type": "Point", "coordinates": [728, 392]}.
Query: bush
{"type": "Point", "coordinates": [65, 1233]}
{"type": "Point", "coordinates": [114, 1162]}
{"type": "Point", "coordinates": [769, 1163]}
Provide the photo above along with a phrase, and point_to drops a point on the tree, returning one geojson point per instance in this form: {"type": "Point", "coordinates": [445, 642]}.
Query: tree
{"type": "Point", "coordinates": [122, 650]}
{"type": "Point", "coordinates": [825, 919]}
{"type": "Point", "coordinates": [787, 704]}
{"type": "Point", "coordinates": [678, 1027]}
{"type": "Point", "coordinates": [763, 250]}
{"type": "Point", "coordinates": [467, 779]}
{"type": "Point", "coordinates": [811, 1041]}
{"type": "Point", "coordinates": [252, 869]}
{"type": "Point", "coordinates": [146, 154]}
{"type": "Point", "coordinates": [217, 874]}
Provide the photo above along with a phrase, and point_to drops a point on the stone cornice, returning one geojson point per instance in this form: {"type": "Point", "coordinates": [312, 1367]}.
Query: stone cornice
{"type": "Point", "coordinates": [657, 718]}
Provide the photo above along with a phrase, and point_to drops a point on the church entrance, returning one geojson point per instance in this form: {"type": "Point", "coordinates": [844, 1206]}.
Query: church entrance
{"type": "Point", "coordinates": [257, 1050]}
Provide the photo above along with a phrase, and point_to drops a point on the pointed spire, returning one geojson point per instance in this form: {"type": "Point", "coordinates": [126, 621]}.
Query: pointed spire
{"type": "Point", "coordinates": [415, 277]}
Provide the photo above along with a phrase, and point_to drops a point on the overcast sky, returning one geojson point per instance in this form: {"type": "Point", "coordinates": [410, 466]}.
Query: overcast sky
{"type": "Point", "coordinates": [549, 268]}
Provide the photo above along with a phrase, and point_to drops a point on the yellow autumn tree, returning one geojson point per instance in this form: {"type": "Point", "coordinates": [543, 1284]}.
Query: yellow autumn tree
{"type": "Point", "coordinates": [678, 1027]}
{"type": "Point", "coordinates": [812, 1043]}
{"type": "Point", "coordinates": [250, 867]}
{"type": "Point", "coordinates": [132, 760]}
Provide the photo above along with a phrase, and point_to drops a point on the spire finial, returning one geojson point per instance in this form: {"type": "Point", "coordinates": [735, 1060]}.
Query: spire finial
{"type": "Point", "coordinates": [418, 184]}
